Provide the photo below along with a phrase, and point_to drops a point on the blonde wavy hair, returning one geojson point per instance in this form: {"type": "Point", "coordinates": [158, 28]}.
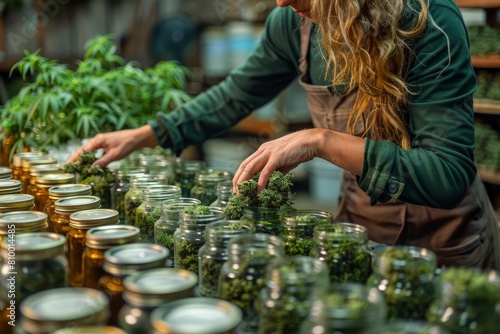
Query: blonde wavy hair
{"type": "Point", "coordinates": [367, 49]}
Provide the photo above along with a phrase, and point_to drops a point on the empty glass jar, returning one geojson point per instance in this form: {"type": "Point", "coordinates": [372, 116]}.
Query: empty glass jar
{"type": "Point", "coordinates": [207, 180]}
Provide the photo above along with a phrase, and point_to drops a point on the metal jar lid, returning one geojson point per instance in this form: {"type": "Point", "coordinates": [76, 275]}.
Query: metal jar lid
{"type": "Point", "coordinates": [86, 219]}
{"type": "Point", "coordinates": [198, 315]}
{"type": "Point", "coordinates": [49, 310]}
{"type": "Point", "coordinates": [34, 246]}
{"type": "Point", "coordinates": [23, 221]}
{"type": "Point", "coordinates": [107, 236]}
{"type": "Point", "coordinates": [49, 180]}
{"type": "Point", "coordinates": [76, 203]}
{"type": "Point", "coordinates": [10, 186]}
{"type": "Point", "coordinates": [90, 330]}
{"type": "Point", "coordinates": [67, 190]}
{"type": "Point", "coordinates": [5, 172]}
{"type": "Point", "coordinates": [127, 259]}
{"type": "Point", "coordinates": [13, 201]}
{"type": "Point", "coordinates": [35, 161]}
{"type": "Point", "coordinates": [17, 159]}
{"type": "Point", "coordinates": [153, 287]}
{"type": "Point", "coordinates": [45, 169]}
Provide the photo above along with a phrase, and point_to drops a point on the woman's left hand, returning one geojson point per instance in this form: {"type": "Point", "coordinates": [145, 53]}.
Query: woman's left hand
{"type": "Point", "coordinates": [283, 154]}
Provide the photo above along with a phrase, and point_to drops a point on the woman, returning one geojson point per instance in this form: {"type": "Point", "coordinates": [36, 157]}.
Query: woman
{"type": "Point", "coordinates": [389, 87]}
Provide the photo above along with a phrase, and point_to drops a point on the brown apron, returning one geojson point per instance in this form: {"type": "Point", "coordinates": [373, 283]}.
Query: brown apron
{"type": "Point", "coordinates": [467, 235]}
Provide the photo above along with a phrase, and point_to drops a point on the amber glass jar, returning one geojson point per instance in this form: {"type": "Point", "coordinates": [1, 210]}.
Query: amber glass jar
{"type": "Point", "coordinates": [148, 289]}
{"type": "Point", "coordinates": [30, 162]}
{"type": "Point", "coordinates": [38, 170]}
{"type": "Point", "coordinates": [22, 222]}
{"type": "Point", "coordinates": [80, 222]}
{"type": "Point", "coordinates": [45, 182]}
{"type": "Point", "coordinates": [205, 188]}
{"type": "Point", "coordinates": [185, 171]}
{"type": "Point", "coordinates": [98, 240]}
{"type": "Point", "coordinates": [16, 202]}
{"type": "Point", "coordinates": [63, 191]}
{"type": "Point", "coordinates": [47, 311]}
{"type": "Point", "coordinates": [17, 162]}
{"type": "Point", "coordinates": [64, 207]}
{"type": "Point", "coordinates": [124, 260]}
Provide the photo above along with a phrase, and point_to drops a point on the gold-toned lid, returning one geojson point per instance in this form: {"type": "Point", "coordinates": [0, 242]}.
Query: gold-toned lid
{"type": "Point", "coordinates": [10, 186]}
{"type": "Point", "coordinates": [107, 236]}
{"type": "Point", "coordinates": [90, 330]}
{"type": "Point", "coordinates": [77, 203]}
{"type": "Point", "coordinates": [71, 189]}
{"type": "Point", "coordinates": [87, 219]}
{"type": "Point", "coordinates": [38, 170]}
{"type": "Point", "coordinates": [17, 159]}
{"type": "Point", "coordinates": [5, 172]}
{"type": "Point", "coordinates": [127, 259]}
{"type": "Point", "coordinates": [36, 161]}
{"type": "Point", "coordinates": [34, 246]}
{"type": "Point", "coordinates": [12, 201]}
{"type": "Point", "coordinates": [152, 287]}
{"type": "Point", "coordinates": [53, 309]}
{"type": "Point", "coordinates": [23, 221]}
{"type": "Point", "coordinates": [49, 180]}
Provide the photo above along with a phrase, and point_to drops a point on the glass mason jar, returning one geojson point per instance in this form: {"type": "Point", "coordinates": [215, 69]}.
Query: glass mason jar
{"type": "Point", "coordinates": [291, 286]}
{"type": "Point", "coordinates": [169, 221]}
{"type": "Point", "coordinates": [190, 236]}
{"type": "Point", "coordinates": [97, 241]}
{"type": "Point", "coordinates": [149, 211]}
{"type": "Point", "coordinates": [224, 193]}
{"type": "Point", "coordinates": [404, 274]}
{"type": "Point", "coordinates": [59, 192]}
{"type": "Point", "coordinates": [16, 202]}
{"type": "Point", "coordinates": [10, 186]}
{"type": "Point", "coordinates": [80, 222]}
{"type": "Point", "coordinates": [121, 261]}
{"type": "Point", "coordinates": [22, 222]}
{"type": "Point", "coordinates": [39, 264]}
{"type": "Point", "coordinates": [120, 188]}
{"type": "Point", "coordinates": [243, 275]}
{"type": "Point", "coordinates": [205, 188]}
{"type": "Point", "coordinates": [467, 301]}
{"type": "Point", "coordinates": [5, 173]}
{"type": "Point", "coordinates": [47, 311]}
{"type": "Point", "coordinates": [162, 170]}
{"type": "Point", "coordinates": [29, 162]}
{"type": "Point", "coordinates": [45, 182]}
{"type": "Point", "coordinates": [17, 162]}
{"type": "Point", "coordinates": [38, 170]}
{"type": "Point", "coordinates": [266, 220]}
{"type": "Point", "coordinates": [343, 247]}
{"type": "Point", "coordinates": [185, 171]}
{"type": "Point", "coordinates": [133, 197]}
{"type": "Point", "coordinates": [148, 289]}
{"type": "Point", "coordinates": [409, 327]}
{"type": "Point", "coordinates": [201, 315]}
{"type": "Point", "coordinates": [64, 207]}
{"type": "Point", "coordinates": [213, 253]}
{"type": "Point", "coordinates": [298, 230]}
{"type": "Point", "coordinates": [347, 308]}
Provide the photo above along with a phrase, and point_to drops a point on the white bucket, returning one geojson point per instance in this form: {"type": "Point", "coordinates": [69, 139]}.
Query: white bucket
{"type": "Point", "coordinates": [324, 180]}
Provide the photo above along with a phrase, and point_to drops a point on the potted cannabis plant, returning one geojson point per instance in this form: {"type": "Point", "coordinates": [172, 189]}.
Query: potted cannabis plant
{"type": "Point", "coordinates": [102, 93]}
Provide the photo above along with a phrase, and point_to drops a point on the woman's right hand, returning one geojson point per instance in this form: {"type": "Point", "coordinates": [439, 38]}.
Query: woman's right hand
{"type": "Point", "coordinates": [117, 145]}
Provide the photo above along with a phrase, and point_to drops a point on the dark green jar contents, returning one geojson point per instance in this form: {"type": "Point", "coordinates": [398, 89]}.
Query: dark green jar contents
{"type": "Point", "coordinates": [266, 221]}
{"type": "Point", "coordinates": [298, 230]}
{"type": "Point", "coordinates": [133, 197]}
{"type": "Point", "coordinates": [467, 302]}
{"type": "Point", "coordinates": [405, 275]}
{"type": "Point", "coordinates": [185, 173]}
{"type": "Point", "coordinates": [291, 286]}
{"type": "Point", "coordinates": [343, 247]}
{"type": "Point", "coordinates": [213, 253]}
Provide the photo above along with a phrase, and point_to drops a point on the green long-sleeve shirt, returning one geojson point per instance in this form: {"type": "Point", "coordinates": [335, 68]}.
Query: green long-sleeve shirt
{"type": "Point", "coordinates": [439, 167]}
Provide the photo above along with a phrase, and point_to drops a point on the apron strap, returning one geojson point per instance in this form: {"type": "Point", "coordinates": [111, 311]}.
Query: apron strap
{"type": "Point", "coordinates": [305, 37]}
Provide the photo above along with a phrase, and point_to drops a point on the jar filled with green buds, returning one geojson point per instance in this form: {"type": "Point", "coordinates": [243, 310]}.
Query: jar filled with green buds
{"type": "Point", "coordinates": [133, 197]}
{"type": "Point", "coordinates": [190, 236]}
{"type": "Point", "coordinates": [213, 253]}
{"type": "Point", "coordinates": [467, 301]}
{"type": "Point", "coordinates": [291, 286]}
{"type": "Point", "coordinates": [298, 230]}
{"type": "Point", "coordinates": [120, 188]}
{"type": "Point", "coordinates": [39, 264]}
{"type": "Point", "coordinates": [224, 193]}
{"type": "Point", "coordinates": [185, 172]}
{"type": "Point", "coordinates": [148, 289]}
{"type": "Point", "coordinates": [243, 275]}
{"type": "Point", "coordinates": [347, 308]}
{"type": "Point", "coordinates": [169, 221]}
{"type": "Point", "coordinates": [266, 220]}
{"type": "Point", "coordinates": [207, 180]}
{"type": "Point", "coordinates": [405, 275]}
{"type": "Point", "coordinates": [343, 247]}
{"type": "Point", "coordinates": [149, 211]}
